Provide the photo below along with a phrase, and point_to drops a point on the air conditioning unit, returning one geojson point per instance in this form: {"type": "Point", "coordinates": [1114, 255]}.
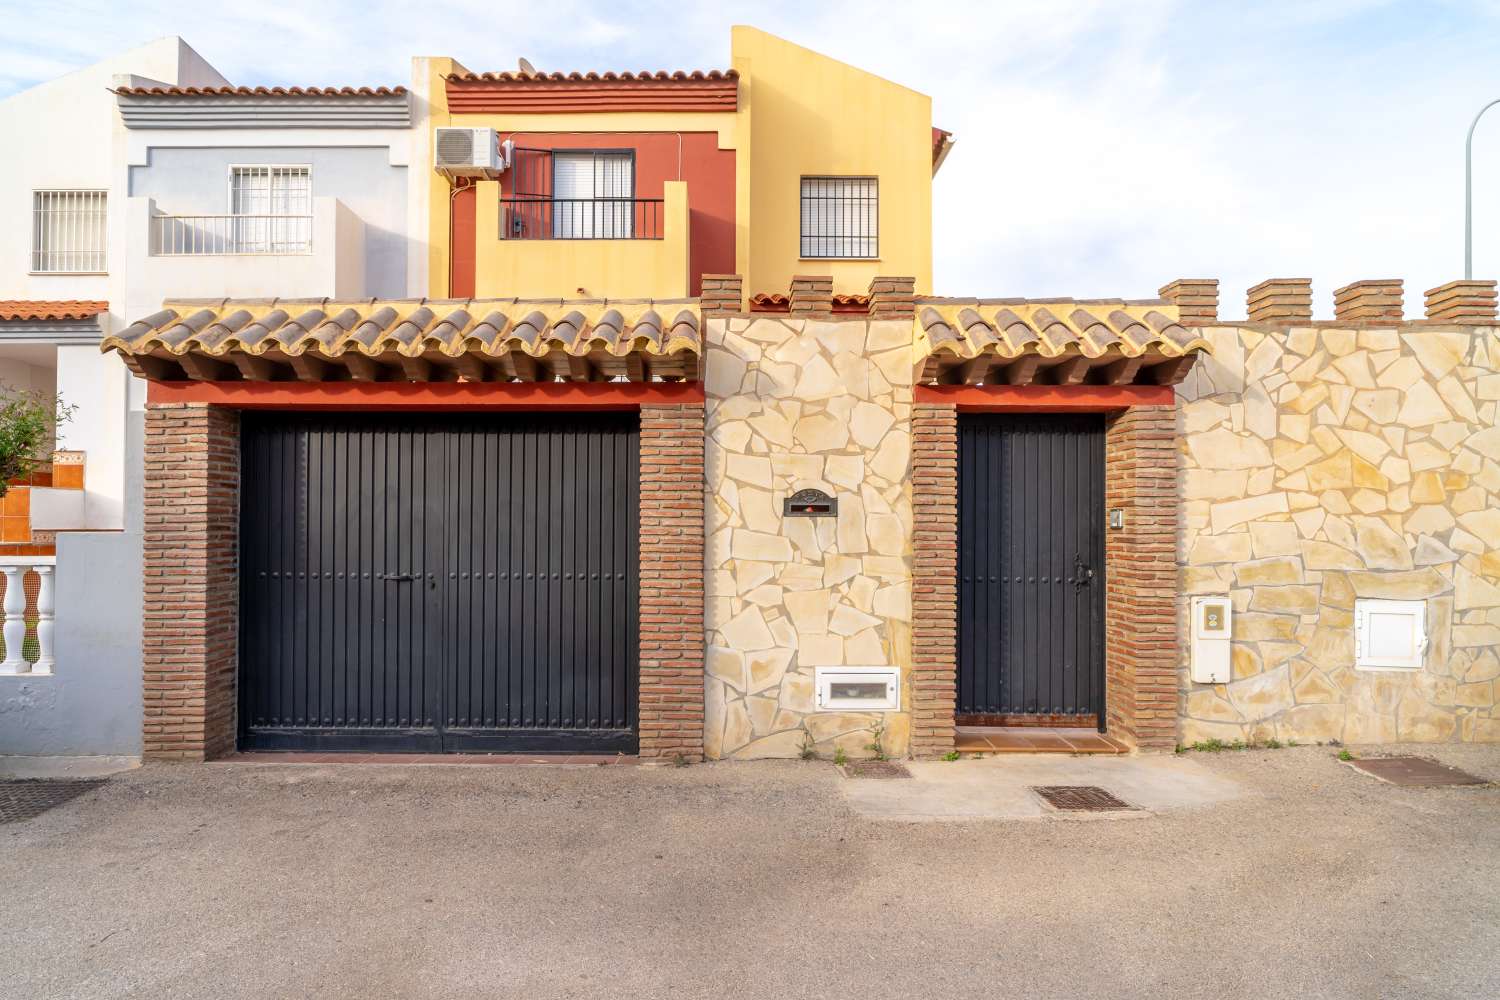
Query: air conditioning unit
{"type": "Point", "coordinates": [466, 152]}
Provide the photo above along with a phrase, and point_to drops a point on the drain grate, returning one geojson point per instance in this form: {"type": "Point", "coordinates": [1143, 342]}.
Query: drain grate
{"type": "Point", "coordinates": [21, 800]}
{"type": "Point", "coordinates": [1079, 798]}
{"type": "Point", "coordinates": [875, 769]}
{"type": "Point", "coordinates": [1414, 772]}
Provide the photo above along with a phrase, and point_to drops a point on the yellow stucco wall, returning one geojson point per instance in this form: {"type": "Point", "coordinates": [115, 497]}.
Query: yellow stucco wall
{"type": "Point", "coordinates": [802, 113]}
{"type": "Point", "coordinates": [655, 269]}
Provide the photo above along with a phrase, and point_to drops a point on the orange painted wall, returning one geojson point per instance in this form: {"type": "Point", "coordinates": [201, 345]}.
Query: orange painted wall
{"type": "Point", "coordinates": [463, 245]}
{"type": "Point", "coordinates": [707, 169]}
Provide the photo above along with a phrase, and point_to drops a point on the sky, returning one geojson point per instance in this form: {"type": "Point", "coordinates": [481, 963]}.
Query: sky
{"type": "Point", "coordinates": [1103, 148]}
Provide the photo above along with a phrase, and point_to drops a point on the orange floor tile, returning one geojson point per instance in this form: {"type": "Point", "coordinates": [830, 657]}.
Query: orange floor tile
{"type": "Point", "coordinates": [1028, 739]}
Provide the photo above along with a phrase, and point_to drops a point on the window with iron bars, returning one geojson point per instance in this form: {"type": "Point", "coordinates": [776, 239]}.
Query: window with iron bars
{"type": "Point", "coordinates": [840, 217]}
{"type": "Point", "coordinates": [69, 232]}
{"type": "Point", "coordinates": [577, 195]}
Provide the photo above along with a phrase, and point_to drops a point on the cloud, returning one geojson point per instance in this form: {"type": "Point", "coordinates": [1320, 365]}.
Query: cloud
{"type": "Point", "coordinates": [1104, 148]}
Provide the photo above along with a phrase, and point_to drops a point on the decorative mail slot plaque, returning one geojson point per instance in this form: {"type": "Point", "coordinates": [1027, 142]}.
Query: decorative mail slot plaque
{"type": "Point", "coordinates": [810, 503]}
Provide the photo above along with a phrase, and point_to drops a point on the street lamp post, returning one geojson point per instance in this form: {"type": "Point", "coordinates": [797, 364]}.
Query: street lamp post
{"type": "Point", "coordinates": [1469, 192]}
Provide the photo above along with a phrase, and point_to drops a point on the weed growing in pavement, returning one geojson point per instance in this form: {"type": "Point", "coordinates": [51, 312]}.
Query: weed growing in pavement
{"type": "Point", "coordinates": [808, 751]}
{"type": "Point", "coordinates": [1345, 755]}
{"type": "Point", "coordinates": [839, 757]}
{"type": "Point", "coordinates": [876, 732]}
{"type": "Point", "coordinates": [951, 755]}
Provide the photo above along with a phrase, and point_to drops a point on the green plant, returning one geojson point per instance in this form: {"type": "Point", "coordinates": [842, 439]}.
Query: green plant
{"type": "Point", "coordinates": [877, 731]}
{"type": "Point", "coordinates": [1291, 743]}
{"type": "Point", "coordinates": [1345, 755]}
{"type": "Point", "coordinates": [1211, 745]}
{"type": "Point", "coordinates": [808, 751]}
{"type": "Point", "coordinates": [1272, 744]}
{"type": "Point", "coordinates": [951, 755]}
{"type": "Point", "coordinates": [839, 757]}
{"type": "Point", "coordinates": [28, 425]}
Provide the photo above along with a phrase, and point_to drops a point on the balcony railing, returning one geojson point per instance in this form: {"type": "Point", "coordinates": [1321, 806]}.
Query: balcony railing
{"type": "Point", "coordinates": [30, 614]}
{"type": "Point", "coordinates": [222, 235]}
{"type": "Point", "coordinates": [580, 218]}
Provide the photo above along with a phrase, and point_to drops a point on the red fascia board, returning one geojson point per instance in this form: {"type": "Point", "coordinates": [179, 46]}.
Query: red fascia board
{"type": "Point", "coordinates": [455, 396]}
{"type": "Point", "coordinates": [1045, 398]}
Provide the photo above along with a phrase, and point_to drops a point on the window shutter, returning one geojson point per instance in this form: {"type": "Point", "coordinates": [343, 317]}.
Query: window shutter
{"type": "Point", "coordinates": [69, 232]}
{"type": "Point", "coordinates": [840, 217]}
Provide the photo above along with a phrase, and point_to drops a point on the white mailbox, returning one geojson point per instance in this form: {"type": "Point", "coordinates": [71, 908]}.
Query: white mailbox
{"type": "Point", "coordinates": [1212, 628]}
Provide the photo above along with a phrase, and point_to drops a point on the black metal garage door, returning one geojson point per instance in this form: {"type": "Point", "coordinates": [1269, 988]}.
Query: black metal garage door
{"type": "Point", "coordinates": [1031, 568]}
{"type": "Point", "coordinates": [439, 583]}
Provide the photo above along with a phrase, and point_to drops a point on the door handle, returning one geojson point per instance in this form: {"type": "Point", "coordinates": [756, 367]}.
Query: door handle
{"type": "Point", "coordinates": [399, 577]}
{"type": "Point", "coordinates": [1083, 573]}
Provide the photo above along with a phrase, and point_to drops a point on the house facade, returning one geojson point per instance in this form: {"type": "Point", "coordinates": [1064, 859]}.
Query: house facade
{"type": "Point", "coordinates": [665, 447]}
{"type": "Point", "coordinates": [153, 176]}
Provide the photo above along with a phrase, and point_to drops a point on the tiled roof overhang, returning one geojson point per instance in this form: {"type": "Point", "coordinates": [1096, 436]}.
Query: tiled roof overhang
{"type": "Point", "coordinates": [474, 340]}
{"type": "Point", "coordinates": [543, 93]}
{"type": "Point", "coordinates": [261, 91]}
{"type": "Point", "coordinates": [1056, 342]}
{"type": "Point", "coordinates": [50, 309]}
{"type": "Point", "coordinates": [263, 107]}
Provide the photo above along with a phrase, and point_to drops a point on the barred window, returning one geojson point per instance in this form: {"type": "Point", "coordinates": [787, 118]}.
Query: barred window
{"type": "Point", "coordinates": [68, 232]}
{"type": "Point", "coordinates": [272, 206]}
{"type": "Point", "coordinates": [840, 217]}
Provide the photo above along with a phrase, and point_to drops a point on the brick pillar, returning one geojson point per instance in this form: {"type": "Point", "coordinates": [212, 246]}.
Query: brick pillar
{"type": "Point", "coordinates": [893, 298]}
{"type": "Point", "coordinates": [934, 669]}
{"type": "Point", "coordinates": [1281, 301]}
{"type": "Point", "coordinates": [1462, 302]}
{"type": "Point", "coordinates": [191, 609]}
{"type": "Point", "coordinates": [1369, 302]}
{"type": "Point", "coordinates": [722, 295]}
{"type": "Point", "coordinates": [1196, 299]}
{"type": "Point", "coordinates": [671, 595]}
{"type": "Point", "coordinates": [812, 294]}
{"type": "Point", "coordinates": [1140, 617]}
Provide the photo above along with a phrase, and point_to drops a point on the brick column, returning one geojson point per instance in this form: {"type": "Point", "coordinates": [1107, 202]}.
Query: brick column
{"type": "Point", "coordinates": [671, 595]}
{"type": "Point", "coordinates": [722, 295]}
{"type": "Point", "coordinates": [1462, 302]}
{"type": "Point", "coordinates": [934, 669]}
{"type": "Point", "coordinates": [1196, 299]}
{"type": "Point", "coordinates": [1140, 617]}
{"type": "Point", "coordinates": [893, 298]}
{"type": "Point", "coordinates": [1280, 301]}
{"type": "Point", "coordinates": [191, 610]}
{"type": "Point", "coordinates": [811, 294]}
{"type": "Point", "coordinates": [1368, 302]}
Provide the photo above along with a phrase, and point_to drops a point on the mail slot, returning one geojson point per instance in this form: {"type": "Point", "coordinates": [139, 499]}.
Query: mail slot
{"type": "Point", "coordinates": [810, 503]}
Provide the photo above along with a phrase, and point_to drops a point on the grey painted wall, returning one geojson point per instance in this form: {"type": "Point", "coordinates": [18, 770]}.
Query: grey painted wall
{"type": "Point", "coordinates": [92, 703]}
{"type": "Point", "coordinates": [187, 181]}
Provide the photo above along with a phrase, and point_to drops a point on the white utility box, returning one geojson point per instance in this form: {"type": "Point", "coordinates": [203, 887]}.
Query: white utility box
{"type": "Point", "coordinates": [1212, 628]}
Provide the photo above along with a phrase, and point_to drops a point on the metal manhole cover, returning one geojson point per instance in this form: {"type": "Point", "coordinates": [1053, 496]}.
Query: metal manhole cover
{"type": "Point", "coordinates": [20, 800]}
{"type": "Point", "coordinates": [1079, 798]}
{"type": "Point", "coordinates": [875, 769]}
{"type": "Point", "coordinates": [1416, 772]}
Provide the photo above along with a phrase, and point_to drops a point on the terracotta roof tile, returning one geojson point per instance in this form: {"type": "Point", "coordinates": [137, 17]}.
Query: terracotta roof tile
{"type": "Point", "coordinates": [658, 76]}
{"type": "Point", "coordinates": [261, 91]}
{"type": "Point", "coordinates": [1014, 341]}
{"type": "Point", "coordinates": [23, 309]}
{"type": "Point", "coordinates": [415, 340]}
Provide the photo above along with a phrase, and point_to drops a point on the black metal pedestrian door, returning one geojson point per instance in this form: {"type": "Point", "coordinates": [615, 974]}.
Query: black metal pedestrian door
{"type": "Point", "coordinates": [439, 583]}
{"type": "Point", "coordinates": [1031, 569]}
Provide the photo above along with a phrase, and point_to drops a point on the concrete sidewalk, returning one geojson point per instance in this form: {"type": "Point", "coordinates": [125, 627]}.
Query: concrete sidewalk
{"type": "Point", "coordinates": [1001, 787]}
{"type": "Point", "coordinates": [1254, 876]}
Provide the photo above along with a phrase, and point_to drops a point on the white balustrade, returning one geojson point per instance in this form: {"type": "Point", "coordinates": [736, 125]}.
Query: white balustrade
{"type": "Point", "coordinates": [14, 631]}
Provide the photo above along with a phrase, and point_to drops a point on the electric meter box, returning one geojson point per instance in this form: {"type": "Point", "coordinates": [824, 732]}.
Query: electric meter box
{"type": "Point", "coordinates": [1212, 629]}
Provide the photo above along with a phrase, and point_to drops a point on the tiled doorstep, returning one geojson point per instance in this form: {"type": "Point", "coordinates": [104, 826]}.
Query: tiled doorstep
{"type": "Point", "coordinates": [1025, 739]}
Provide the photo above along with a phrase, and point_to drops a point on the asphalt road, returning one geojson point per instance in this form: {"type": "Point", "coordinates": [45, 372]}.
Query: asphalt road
{"type": "Point", "coordinates": [743, 880]}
